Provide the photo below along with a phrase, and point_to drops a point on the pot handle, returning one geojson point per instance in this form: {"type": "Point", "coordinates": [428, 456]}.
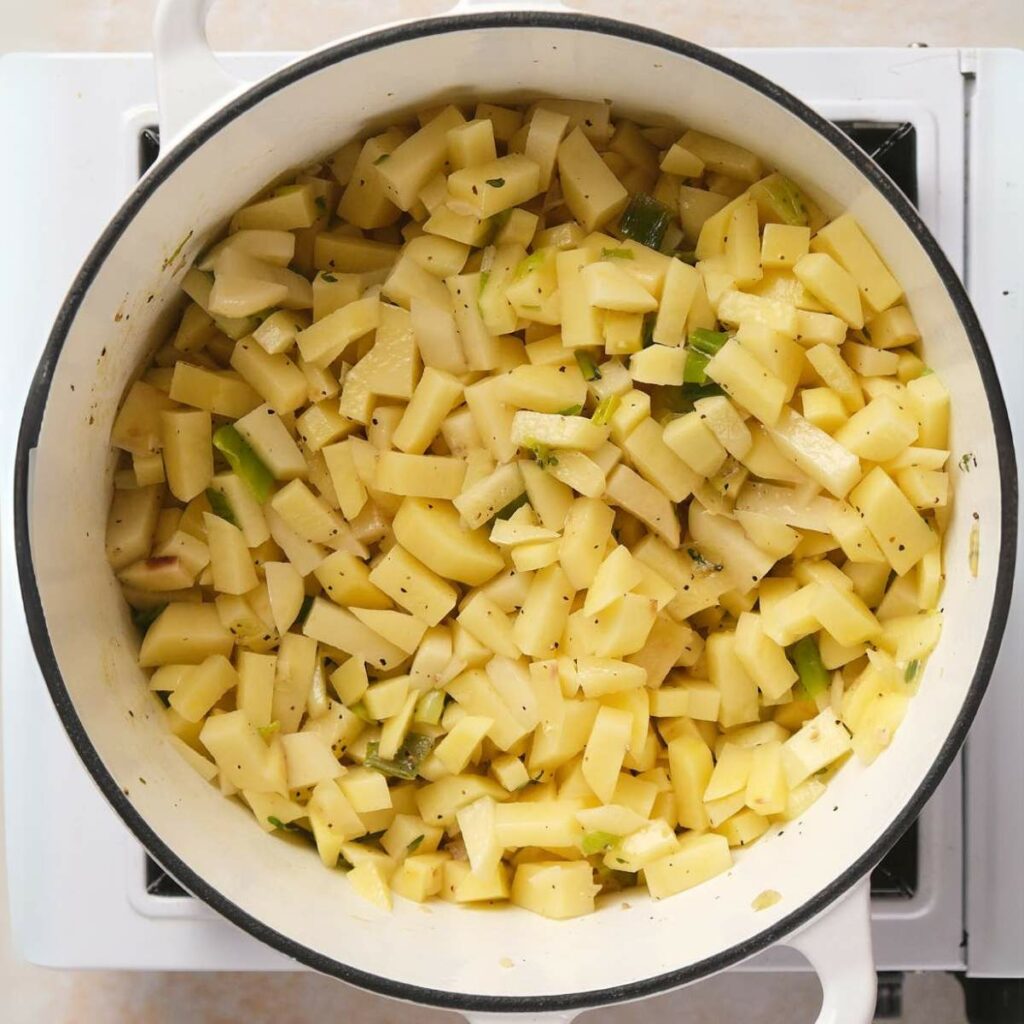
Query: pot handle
{"type": "Point", "coordinates": [838, 945]}
{"type": "Point", "coordinates": [189, 78]}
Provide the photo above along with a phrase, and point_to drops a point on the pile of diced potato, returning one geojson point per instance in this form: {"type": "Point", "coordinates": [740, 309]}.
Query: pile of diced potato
{"type": "Point", "coordinates": [530, 504]}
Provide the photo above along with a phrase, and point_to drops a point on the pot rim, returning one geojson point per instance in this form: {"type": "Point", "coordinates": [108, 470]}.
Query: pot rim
{"type": "Point", "coordinates": [39, 392]}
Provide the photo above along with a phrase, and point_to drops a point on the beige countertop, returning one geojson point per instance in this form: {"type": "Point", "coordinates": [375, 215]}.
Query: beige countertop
{"type": "Point", "coordinates": [29, 995]}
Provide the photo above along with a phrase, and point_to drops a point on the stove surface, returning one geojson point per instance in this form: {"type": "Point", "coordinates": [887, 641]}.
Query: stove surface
{"type": "Point", "coordinates": [917, 111]}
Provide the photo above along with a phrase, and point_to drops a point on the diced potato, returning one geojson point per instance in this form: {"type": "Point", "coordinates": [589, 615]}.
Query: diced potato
{"type": "Point", "coordinates": [592, 192]}
{"type": "Point", "coordinates": [540, 624]}
{"type": "Point", "coordinates": [818, 743]}
{"type": "Point", "coordinates": [899, 530]}
{"type": "Point", "coordinates": [658, 364]}
{"type": "Point", "coordinates": [241, 756]}
{"type": "Point", "coordinates": [185, 633]}
{"type": "Point", "coordinates": [823, 459]}
{"type": "Point", "coordinates": [844, 241]}
{"type": "Point", "coordinates": [634, 494]}
{"type": "Point", "coordinates": [747, 381]}
{"type": "Point", "coordinates": [928, 399]}
{"type": "Point", "coordinates": [832, 286]}
{"type": "Point", "coordinates": [698, 858]}
{"type": "Point", "coordinates": [764, 660]}
{"type": "Point", "coordinates": [432, 532]}
{"type": "Point", "coordinates": [188, 456]}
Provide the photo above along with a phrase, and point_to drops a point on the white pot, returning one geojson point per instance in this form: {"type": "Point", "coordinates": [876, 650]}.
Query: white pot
{"type": "Point", "coordinates": [508, 962]}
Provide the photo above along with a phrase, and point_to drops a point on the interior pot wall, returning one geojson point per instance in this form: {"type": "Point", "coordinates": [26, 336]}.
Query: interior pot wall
{"type": "Point", "coordinates": [442, 947]}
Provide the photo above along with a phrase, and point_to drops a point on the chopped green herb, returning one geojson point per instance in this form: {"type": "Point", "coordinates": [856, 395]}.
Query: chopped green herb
{"type": "Point", "coordinates": [693, 392]}
{"type": "Point", "coordinates": [145, 617]}
{"type": "Point", "coordinates": [516, 503]}
{"type": "Point", "coordinates": [415, 844]}
{"type": "Point", "coordinates": [406, 762]}
{"type": "Point", "coordinates": [381, 159]}
{"type": "Point", "coordinates": [219, 504]}
{"type": "Point", "coordinates": [967, 462]}
{"type": "Point", "coordinates": [648, 330]}
{"type": "Point", "coordinates": [321, 203]}
{"type": "Point", "coordinates": [266, 731]}
{"type": "Point", "coordinates": [911, 670]}
{"type": "Point", "coordinates": [785, 199]}
{"type": "Point", "coordinates": [645, 220]}
{"type": "Point", "coordinates": [532, 262]}
{"type": "Point", "coordinates": [598, 842]}
{"type": "Point", "coordinates": [806, 659]}
{"type": "Point", "coordinates": [617, 254]}
{"type": "Point", "coordinates": [927, 371]}
{"type": "Point", "coordinates": [329, 277]}
{"type": "Point", "coordinates": [605, 410]}
{"type": "Point", "coordinates": [695, 367]}
{"type": "Point", "coordinates": [359, 710]}
{"type": "Point", "coordinates": [571, 410]}
{"type": "Point", "coordinates": [496, 182]}
{"type": "Point", "coordinates": [701, 566]}
{"type": "Point", "coordinates": [307, 604]}
{"type": "Point", "coordinates": [542, 454]}
{"type": "Point", "coordinates": [429, 707]}
{"type": "Point", "coordinates": [587, 366]}
{"type": "Point", "coordinates": [244, 461]}
{"type": "Point", "coordinates": [708, 342]}
{"type": "Point", "coordinates": [285, 826]}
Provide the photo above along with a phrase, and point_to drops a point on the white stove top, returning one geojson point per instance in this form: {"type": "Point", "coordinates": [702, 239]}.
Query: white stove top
{"type": "Point", "coordinates": [77, 877]}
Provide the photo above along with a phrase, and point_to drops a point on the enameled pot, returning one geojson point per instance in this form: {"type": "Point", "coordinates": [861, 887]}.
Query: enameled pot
{"type": "Point", "coordinates": [222, 141]}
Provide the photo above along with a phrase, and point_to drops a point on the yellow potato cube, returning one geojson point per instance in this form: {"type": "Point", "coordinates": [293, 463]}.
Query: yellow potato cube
{"type": "Point", "coordinates": [764, 660]}
{"type": "Point", "coordinates": [591, 190]}
{"type": "Point", "coordinates": [844, 241]}
{"type": "Point", "coordinates": [824, 460]}
{"type": "Point", "coordinates": [824, 408]}
{"type": "Point", "coordinates": [690, 768]}
{"type": "Point", "coordinates": [456, 749]}
{"type": "Point", "coordinates": [608, 286]}
{"type": "Point", "coordinates": [747, 381]}
{"type": "Point", "coordinates": [832, 286]}
{"type": "Point", "coordinates": [892, 328]}
{"type": "Point", "coordinates": [899, 530]}
{"type": "Point", "coordinates": [642, 847]}
{"type": "Point", "coordinates": [606, 749]}
{"type": "Point", "coordinates": [782, 245]}
{"type": "Point", "coordinates": [928, 399]}
{"type": "Point", "coordinates": [185, 633]}
{"type": "Point", "coordinates": [242, 757]}
{"type": "Point", "coordinates": [555, 889]}
{"type": "Point", "coordinates": [658, 364]}
{"type": "Point", "coordinates": [743, 827]}
{"type": "Point", "coordinates": [818, 743]}
{"type": "Point", "coordinates": [202, 687]}
{"type": "Point", "coordinates": [742, 245]}
{"type": "Point", "coordinates": [659, 462]}
{"type": "Point", "coordinates": [420, 876]}
{"type": "Point", "coordinates": [730, 774]}
{"type": "Point", "coordinates": [699, 858]}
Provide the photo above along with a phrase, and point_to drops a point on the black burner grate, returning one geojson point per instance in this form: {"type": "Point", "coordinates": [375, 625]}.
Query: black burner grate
{"type": "Point", "coordinates": [894, 149]}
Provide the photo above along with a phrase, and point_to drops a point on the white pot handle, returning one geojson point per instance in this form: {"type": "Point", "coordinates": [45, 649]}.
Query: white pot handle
{"type": "Point", "coordinates": [189, 78]}
{"type": "Point", "coordinates": [838, 945]}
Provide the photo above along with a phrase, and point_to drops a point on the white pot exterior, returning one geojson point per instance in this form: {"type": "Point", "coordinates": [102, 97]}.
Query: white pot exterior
{"type": "Point", "coordinates": [456, 956]}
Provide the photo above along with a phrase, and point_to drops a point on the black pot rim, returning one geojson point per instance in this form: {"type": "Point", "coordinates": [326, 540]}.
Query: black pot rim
{"type": "Point", "coordinates": [195, 883]}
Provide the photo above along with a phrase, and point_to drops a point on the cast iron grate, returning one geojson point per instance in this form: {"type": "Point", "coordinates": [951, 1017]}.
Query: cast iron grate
{"type": "Point", "coordinates": [894, 149]}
